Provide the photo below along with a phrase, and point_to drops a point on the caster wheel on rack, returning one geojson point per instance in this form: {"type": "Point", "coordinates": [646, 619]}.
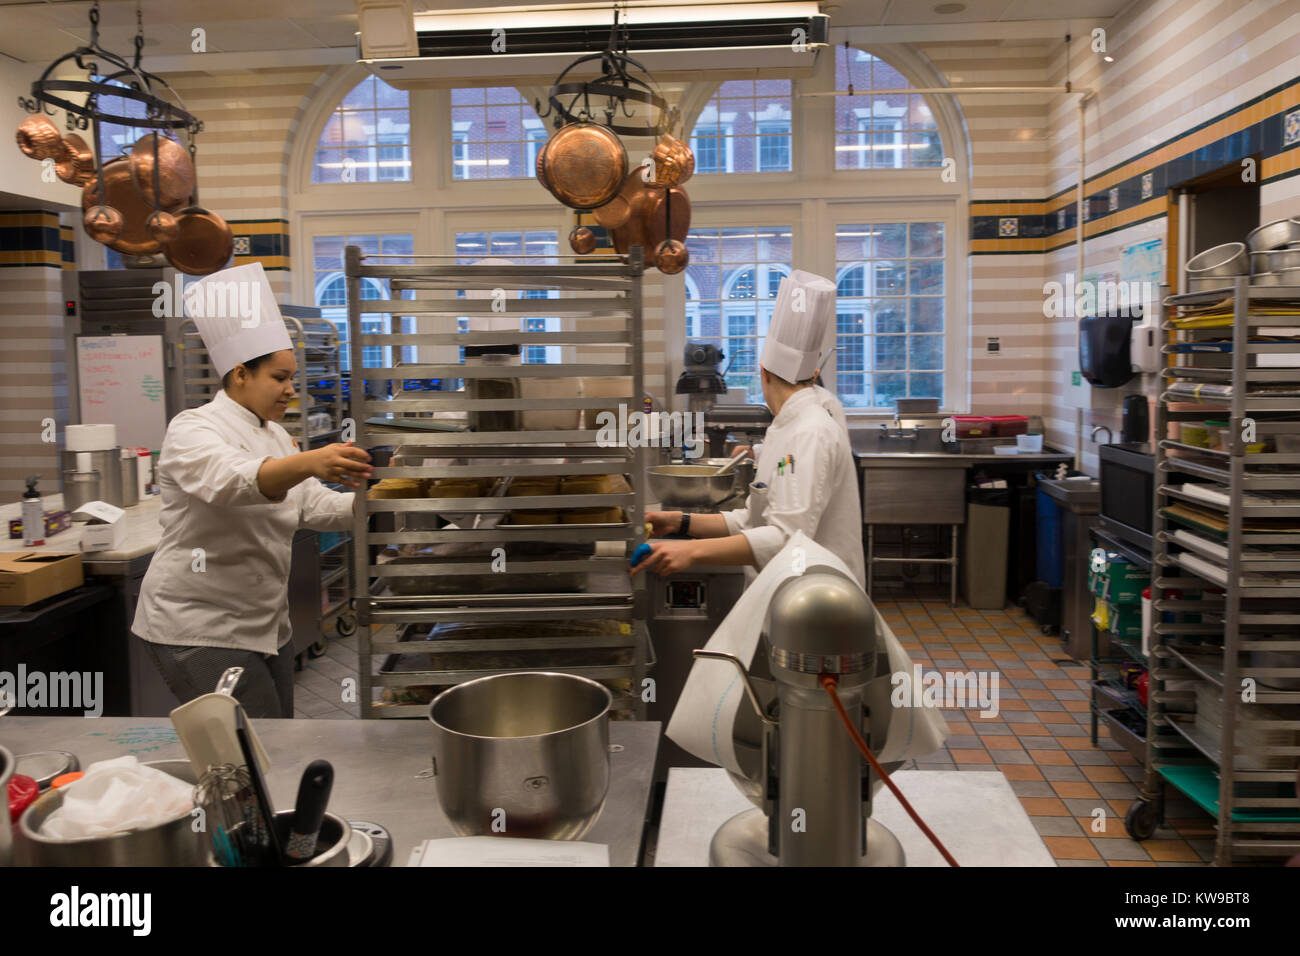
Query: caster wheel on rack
{"type": "Point", "coordinates": [317, 649]}
{"type": "Point", "coordinates": [1140, 821]}
{"type": "Point", "coordinates": [345, 625]}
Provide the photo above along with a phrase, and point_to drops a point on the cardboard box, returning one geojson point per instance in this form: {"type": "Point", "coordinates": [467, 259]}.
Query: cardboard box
{"type": "Point", "coordinates": [30, 576]}
{"type": "Point", "coordinates": [106, 529]}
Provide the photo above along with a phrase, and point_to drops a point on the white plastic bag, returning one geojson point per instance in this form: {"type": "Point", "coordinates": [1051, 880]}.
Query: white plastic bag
{"type": "Point", "coordinates": [116, 796]}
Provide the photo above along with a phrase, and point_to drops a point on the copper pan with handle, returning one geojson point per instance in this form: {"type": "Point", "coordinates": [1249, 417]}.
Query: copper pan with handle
{"type": "Point", "coordinates": [118, 194]}
{"type": "Point", "coordinates": [583, 165]}
{"type": "Point", "coordinates": [162, 164]}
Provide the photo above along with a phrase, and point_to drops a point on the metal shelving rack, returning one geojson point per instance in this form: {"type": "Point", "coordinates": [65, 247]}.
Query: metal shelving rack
{"type": "Point", "coordinates": [592, 292]}
{"type": "Point", "coordinates": [1254, 807]}
{"type": "Point", "coordinates": [319, 379]}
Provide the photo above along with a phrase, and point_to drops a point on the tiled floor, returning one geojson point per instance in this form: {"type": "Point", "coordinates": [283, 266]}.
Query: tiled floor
{"type": "Point", "coordinates": [1076, 794]}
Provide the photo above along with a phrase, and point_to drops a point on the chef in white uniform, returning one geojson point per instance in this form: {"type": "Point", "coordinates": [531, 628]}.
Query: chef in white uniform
{"type": "Point", "coordinates": [235, 488]}
{"type": "Point", "coordinates": [805, 477]}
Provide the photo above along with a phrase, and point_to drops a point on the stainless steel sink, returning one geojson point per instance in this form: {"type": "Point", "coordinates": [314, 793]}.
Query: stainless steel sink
{"type": "Point", "coordinates": [888, 440]}
{"type": "Point", "coordinates": [1077, 495]}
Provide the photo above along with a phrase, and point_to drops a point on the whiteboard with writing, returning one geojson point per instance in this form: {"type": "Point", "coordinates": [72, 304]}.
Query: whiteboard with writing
{"type": "Point", "coordinates": [122, 382]}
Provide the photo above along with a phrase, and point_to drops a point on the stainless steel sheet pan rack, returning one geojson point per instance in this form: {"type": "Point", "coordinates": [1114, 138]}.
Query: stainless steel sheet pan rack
{"type": "Point", "coordinates": [516, 590]}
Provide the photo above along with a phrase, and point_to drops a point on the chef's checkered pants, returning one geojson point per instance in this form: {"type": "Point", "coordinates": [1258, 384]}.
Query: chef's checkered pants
{"type": "Point", "coordinates": [265, 689]}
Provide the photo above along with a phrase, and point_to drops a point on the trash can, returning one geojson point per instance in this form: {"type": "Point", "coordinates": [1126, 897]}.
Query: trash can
{"type": "Point", "coordinates": [1050, 546]}
{"type": "Point", "coordinates": [984, 557]}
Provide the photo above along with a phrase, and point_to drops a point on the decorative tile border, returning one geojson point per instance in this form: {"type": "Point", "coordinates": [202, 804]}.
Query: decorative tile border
{"type": "Point", "coordinates": [1267, 127]}
{"type": "Point", "coordinates": [262, 240]}
{"type": "Point", "coordinates": [31, 237]}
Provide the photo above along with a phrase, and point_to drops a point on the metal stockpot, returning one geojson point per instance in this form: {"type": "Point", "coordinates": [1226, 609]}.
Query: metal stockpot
{"type": "Point", "coordinates": [528, 752]}
{"type": "Point", "coordinates": [173, 843]}
{"type": "Point", "coordinates": [130, 469]}
{"type": "Point", "coordinates": [106, 461]}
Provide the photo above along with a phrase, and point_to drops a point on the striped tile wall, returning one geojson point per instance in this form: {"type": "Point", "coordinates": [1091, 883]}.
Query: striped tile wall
{"type": "Point", "coordinates": [33, 369]}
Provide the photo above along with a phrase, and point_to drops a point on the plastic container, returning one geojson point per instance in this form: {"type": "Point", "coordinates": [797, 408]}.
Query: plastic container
{"type": "Point", "coordinates": [973, 426]}
{"type": "Point", "coordinates": [1007, 426]}
{"type": "Point", "coordinates": [1029, 443]}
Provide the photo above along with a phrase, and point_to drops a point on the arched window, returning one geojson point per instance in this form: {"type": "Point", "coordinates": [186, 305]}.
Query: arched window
{"type": "Point", "coordinates": [885, 130]}
{"type": "Point", "coordinates": [495, 134]}
{"type": "Point", "coordinates": [368, 137]}
{"type": "Point", "coordinates": [745, 128]}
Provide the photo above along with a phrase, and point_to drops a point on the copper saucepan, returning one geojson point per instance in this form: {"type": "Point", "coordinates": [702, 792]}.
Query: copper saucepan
{"type": "Point", "coordinates": [120, 194]}
{"type": "Point", "coordinates": [175, 171]}
{"type": "Point", "coordinates": [77, 163]}
{"type": "Point", "coordinates": [39, 138]}
{"type": "Point", "coordinates": [203, 243]}
{"type": "Point", "coordinates": [584, 165]}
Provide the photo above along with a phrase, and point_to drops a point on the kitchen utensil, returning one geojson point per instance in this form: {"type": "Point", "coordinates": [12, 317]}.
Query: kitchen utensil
{"type": "Point", "coordinates": [80, 487]}
{"type": "Point", "coordinates": [1229, 259]}
{"type": "Point", "coordinates": [175, 171]}
{"type": "Point", "coordinates": [1273, 235]}
{"type": "Point", "coordinates": [528, 752]}
{"type": "Point", "coordinates": [171, 843]}
{"type": "Point", "coordinates": [274, 845]}
{"type": "Point", "coordinates": [671, 257]}
{"type": "Point", "coordinates": [1274, 260]}
{"type": "Point", "coordinates": [690, 486]}
{"type": "Point", "coordinates": [77, 163]}
{"type": "Point", "coordinates": [162, 226]}
{"type": "Point", "coordinates": [129, 465]}
{"type": "Point", "coordinates": [206, 727]}
{"type": "Point", "coordinates": [1032, 444]}
{"type": "Point", "coordinates": [39, 138]}
{"type": "Point", "coordinates": [381, 844]}
{"type": "Point", "coordinates": [1283, 277]}
{"type": "Point", "coordinates": [582, 240]}
{"type": "Point", "coordinates": [584, 165]}
{"type": "Point", "coordinates": [640, 554]}
{"type": "Point", "coordinates": [732, 462]}
{"type": "Point", "coordinates": [204, 242]}
{"type": "Point", "coordinates": [1207, 283]}
{"type": "Point", "coordinates": [102, 223]}
{"type": "Point", "coordinates": [44, 765]}
{"type": "Point", "coordinates": [666, 212]}
{"type": "Point", "coordinates": [670, 159]}
{"type": "Point", "coordinates": [332, 844]}
{"type": "Point", "coordinates": [309, 810]}
{"type": "Point", "coordinates": [120, 194]}
{"type": "Point", "coordinates": [615, 213]}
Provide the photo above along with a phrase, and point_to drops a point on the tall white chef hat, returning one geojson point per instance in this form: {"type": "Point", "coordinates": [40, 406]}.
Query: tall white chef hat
{"type": "Point", "coordinates": [801, 326]}
{"type": "Point", "coordinates": [493, 321]}
{"type": "Point", "coordinates": [237, 316]}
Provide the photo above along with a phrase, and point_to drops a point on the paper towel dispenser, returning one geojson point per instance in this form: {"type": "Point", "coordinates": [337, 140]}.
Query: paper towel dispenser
{"type": "Point", "coordinates": [1104, 348]}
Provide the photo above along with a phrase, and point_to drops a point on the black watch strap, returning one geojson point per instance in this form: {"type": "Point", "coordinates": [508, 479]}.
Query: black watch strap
{"type": "Point", "coordinates": [685, 529]}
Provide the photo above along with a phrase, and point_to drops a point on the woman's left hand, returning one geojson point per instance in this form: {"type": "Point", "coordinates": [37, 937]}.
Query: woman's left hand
{"type": "Point", "coordinates": [667, 557]}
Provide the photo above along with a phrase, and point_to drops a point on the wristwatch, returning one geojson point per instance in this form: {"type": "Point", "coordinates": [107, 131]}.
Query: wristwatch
{"type": "Point", "coordinates": [685, 529]}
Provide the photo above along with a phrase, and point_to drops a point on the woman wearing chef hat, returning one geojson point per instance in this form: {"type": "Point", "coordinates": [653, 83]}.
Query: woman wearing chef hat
{"type": "Point", "coordinates": [235, 488]}
{"type": "Point", "coordinates": [805, 478]}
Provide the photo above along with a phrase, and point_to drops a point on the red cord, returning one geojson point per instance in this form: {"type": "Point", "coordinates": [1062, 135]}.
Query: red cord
{"type": "Point", "coordinates": [829, 683]}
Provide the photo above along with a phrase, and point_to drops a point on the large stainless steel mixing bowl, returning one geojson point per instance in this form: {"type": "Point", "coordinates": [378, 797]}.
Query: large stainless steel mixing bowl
{"type": "Point", "coordinates": [695, 485]}
{"type": "Point", "coordinates": [173, 843]}
{"type": "Point", "coordinates": [522, 755]}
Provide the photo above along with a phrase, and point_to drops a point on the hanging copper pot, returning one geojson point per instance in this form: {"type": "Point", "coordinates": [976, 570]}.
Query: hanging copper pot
{"type": "Point", "coordinates": [102, 223]}
{"type": "Point", "coordinates": [583, 165]}
{"type": "Point", "coordinates": [541, 167]}
{"type": "Point", "coordinates": [163, 226]}
{"type": "Point", "coordinates": [175, 171]}
{"type": "Point", "coordinates": [204, 242]}
{"type": "Point", "coordinates": [669, 161]}
{"type": "Point", "coordinates": [671, 257]}
{"type": "Point", "coordinates": [76, 164]}
{"type": "Point", "coordinates": [615, 213]}
{"type": "Point", "coordinates": [582, 240]}
{"type": "Point", "coordinates": [633, 230]}
{"type": "Point", "coordinates": [39, 138]}
{"type": "Point", "coordinates": [666, 214]}
{"type": "Point", "coordinates": [686, 160]}
{"type": "Point", "coordinates": [120, 193]}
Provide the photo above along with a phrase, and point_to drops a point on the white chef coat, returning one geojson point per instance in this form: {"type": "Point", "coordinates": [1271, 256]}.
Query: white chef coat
{"type": "Point", "coordinates": [208, 477]}
{"type": "Point", "coordinates": [818, 495]}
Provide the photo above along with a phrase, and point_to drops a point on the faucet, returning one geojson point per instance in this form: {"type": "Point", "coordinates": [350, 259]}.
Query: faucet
{"type": "Point", "coordinates": [1110, 436]}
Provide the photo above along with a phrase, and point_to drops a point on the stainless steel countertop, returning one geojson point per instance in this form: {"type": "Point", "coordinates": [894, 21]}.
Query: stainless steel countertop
{"type": "Point", "coordinates": [375, 766]}
{"type": "Point", "coordinates": [950, 460]}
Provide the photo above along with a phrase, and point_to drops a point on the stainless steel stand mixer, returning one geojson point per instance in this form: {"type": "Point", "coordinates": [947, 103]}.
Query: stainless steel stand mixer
{"type": "Point", "coordinates": [812, 787]}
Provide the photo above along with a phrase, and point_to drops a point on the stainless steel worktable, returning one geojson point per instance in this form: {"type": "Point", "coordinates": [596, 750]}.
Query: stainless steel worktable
{"type": "Point", "coordinates": [375, 767]}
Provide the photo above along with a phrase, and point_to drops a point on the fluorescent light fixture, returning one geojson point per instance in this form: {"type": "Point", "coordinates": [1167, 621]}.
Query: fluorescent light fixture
{"type": "Point", "coordinates": [881, 146]}
{"type": "Point", "coordinates": [473, 20]}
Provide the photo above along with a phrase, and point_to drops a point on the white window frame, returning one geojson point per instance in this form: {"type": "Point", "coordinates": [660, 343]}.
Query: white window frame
{"type": "Point", "coordinates": [726, 145]}
{"type": "Point", "coordinates": [763, 128]}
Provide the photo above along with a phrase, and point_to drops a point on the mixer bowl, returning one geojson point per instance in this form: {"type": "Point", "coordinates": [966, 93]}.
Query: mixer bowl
{"type": "Point", "coordinates": [695, 485]}
{"type": "Point", "coordinates": [522, 755]}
